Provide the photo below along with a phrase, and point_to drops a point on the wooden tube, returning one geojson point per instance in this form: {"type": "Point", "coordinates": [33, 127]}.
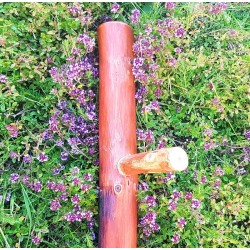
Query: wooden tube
{"type": "Point", "coordinates": [158, 161]}
{"type": "Point", "coordinates": [117, 136]}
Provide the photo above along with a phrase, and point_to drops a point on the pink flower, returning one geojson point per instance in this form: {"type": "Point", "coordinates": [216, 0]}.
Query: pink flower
{"type": "Point", "coordinates": [195, 203]}
{"type": "Point", "coordinates": [203, 179]}
{"type": "Point", "coordinates": [14, 177]}
{"type": "Point", "coordinates": [181, 223]}
{"type": "Point", "coordinates": [75, 199]}
{"type": "Point", "coordinates": [43, 157]}
{"type": "Point", "coordinates": [13, 130]}
{"type": "Point", "coordinates": [172, 205]}
{"type": "Point", "coordinates": [176, 238]}
{"type": "Point", "coordinates": [180, 32]}
{"type": "Point", "coordinates": [217, 183]}
{"type": "Point", "coordinates": [189, 196]}
{"type": "Point", "coordinates": [36, 239]}
{"type": "Point", "coordinates": [135, 16]}
{"type": "Point", "coordinates": [55, 205]}
{"type": "Point", "coordinates": [178, 50]}
{"type": "Point", "coordinates": [170, 5]}
{"type": "Point", "coordinates": [3, 78]}
{"type": "Point", "coordinates": [172, 62]}
{"type": "Point", "coordinates": [114, 7]}
{"type": "Point", "coordinates": [176, 195]}
{"type": "Point", "coordinates": [150, 200]}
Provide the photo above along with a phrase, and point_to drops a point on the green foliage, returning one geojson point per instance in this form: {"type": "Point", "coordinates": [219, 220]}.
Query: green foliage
{"type": "Point", "coordinates": [207, 90]}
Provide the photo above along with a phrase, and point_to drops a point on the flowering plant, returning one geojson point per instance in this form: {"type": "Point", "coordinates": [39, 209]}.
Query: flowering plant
{"type": "Point", "coordinates": [191, 73]}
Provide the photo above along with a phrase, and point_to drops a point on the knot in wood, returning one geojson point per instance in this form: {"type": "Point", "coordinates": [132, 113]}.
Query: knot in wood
{"type": "Point", "coordinates": [118, 188]}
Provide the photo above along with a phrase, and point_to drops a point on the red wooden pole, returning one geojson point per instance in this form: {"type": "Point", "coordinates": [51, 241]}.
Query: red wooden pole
{"type": "Point", "coordinates": [117, 136]}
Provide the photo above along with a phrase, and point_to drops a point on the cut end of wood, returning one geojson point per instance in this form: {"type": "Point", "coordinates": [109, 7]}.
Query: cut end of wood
{"type": "Point", "coordinates": [158, 161]}
{"type": "Point", "coordinates": [177, 158]}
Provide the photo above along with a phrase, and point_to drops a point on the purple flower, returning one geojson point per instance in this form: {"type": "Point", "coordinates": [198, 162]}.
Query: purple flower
{"type": "Point", "coordinates": [146, 231]}
{"type": "Point", "coordinates": [232, 32]}
{"type": "Point", "coordinates": [71, 217]}
{"type": "Point", "coordinates": [73, 141]}
{"type": "Point", "coordinates": [62, 104]}
{"type": "Point", "coordinates": [217, 8]}
{"type": "Point", "coordinates": [219, 171]}
{"type": "Point", "coordinates": [13, 155]}
{"type": "Point", "coordinates": [62, 167]}
{"type": "Point", "coordinates": [246, 156]}
{"type": "Point", "coordinates": [43, 157]}
{"type": "Point", "coordinates": [14, 177]}
{"type": "Point", "coordinates": [154, 105]}
{"type": "Point", "coordinates": [36, 239]}
{"type": "Point", "coordinates": [55, 205]}
{"type": "Point", "coordinates": [203, 179]}
{"type": "Point", "coordinates": [75, 171]}
{"type": "Point", "coordinates": [75, 10]}
{"type": "Point", "coordinates": [215, 101]}
{"type": "Point", "coordinates": [86, 19]}
{"type": "Point", "coordinates": [188, 195]}
{"type": "Point", "coordinates": [56, 171]}
{"type": "Point", "coordinates": [143, 186]}
{"type": "Point", "coordinates": [150, 201]}
{"type": "Point", "coordinates": [93, 235]}
{"type": "Point", "coordinates": [76, 208]}
{"type": "Point", "coordinates": [176, 238]}
{"type": "Point", "coordinates": [161, 144]}
{"type": "Point", "coordinates": [170, 176]}
{"type": "Point", "coordinates": [59, 143]}
{"type": "Point", "coordinates": [170, 5]}
{"type": "Point", "coordinates": [56, 187]}
{"type": "Point", "coordinates": [154, 226]}
{"type": "Point", "coordinates": [208, 132]}
{"type": "Point", "coordinates": [27, 158]}
{"type": "Point", "coordinates": [76, 181]}
{"type": "Point", "coordinates": [148, 218]}
{"type": "Point", "coordinates": [149, 136]}
{"type": "Point", "coordinates": [26, 179]}
{"type": "Point", "coordinates": [181, 223]}
{"type": "Point", "coordinates": [135, 16]}
{"type": "Point", "coordinates": [176, 195]}
{"type": "Point", "coordinates": [13, 130]}
{"type": "Point", "coordinates": [63, 197]}
{"type": "Point", "coordinates": [3, 78]}
{"type": "Point", "coordinates": [141, 93]}
{"type": "Point", "coordinates": [90, 223]}
{"type": "Point", "coordinates": [209, 145]}
{"type": "Point", "coordinates": [87, 41]}
{"type": "Point", "coordinates": [148, 30]}
{"type": "Point", "coordinates": [172, 62]}
{"type": "Point", "coordinates": [50, 60]}
{"type": "Point", "coordinates": [178, 50]}
{"type": "Point", "coordinates": [87, 177]}
{"type": "Point", "coordinates": [180, 32]}
{"type": "Point", "coordinates": [85, 187]}
{"type": "Point", "coordinates": [247, 135]}
{"type": "Point", "coordinates": [172, 205]}
{"type": "Point", "coordinates": [195, 203]}
{"type": "Point", "coordinates": [87, 215]}
{"type": "Point", "coordinates": [217, 183]}
{"type": "Point", "coordinates": [114, 7]}
{"type": "Point", "coordinates": [64, 156]}
{"type": "Point", "coordinates": [75, 199]}
{"type": "Point", "coordinates": [37, 186]}
{"type": "Point", "coordinates": [241, 171]}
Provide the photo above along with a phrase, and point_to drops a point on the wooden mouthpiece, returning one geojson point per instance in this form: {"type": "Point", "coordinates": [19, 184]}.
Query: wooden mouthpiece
{"type": "Point", "coordinates": [158, 161]}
